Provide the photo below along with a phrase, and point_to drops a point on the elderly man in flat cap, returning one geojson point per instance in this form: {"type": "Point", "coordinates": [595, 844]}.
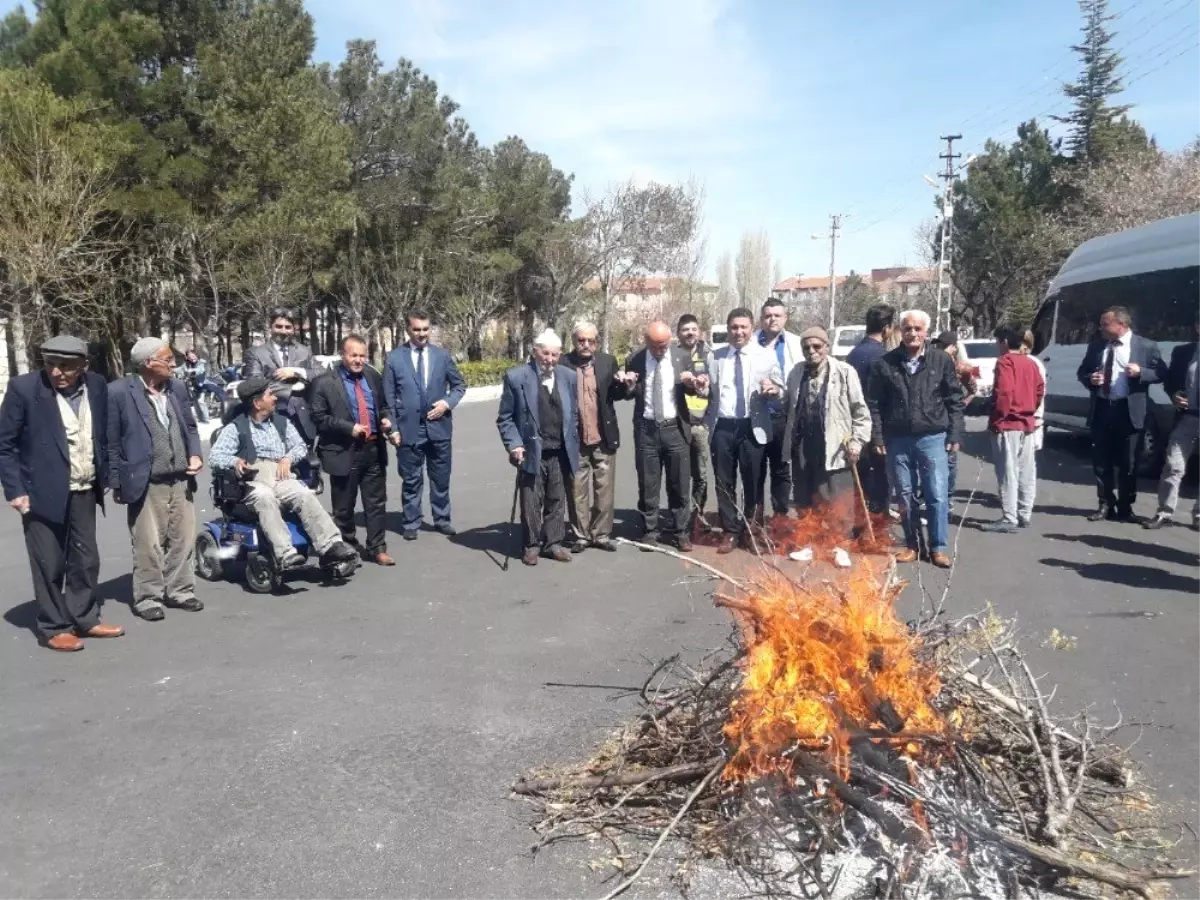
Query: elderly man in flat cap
{"type": "Point", "coordinates": [828, 425]}
{"type": "Point", "coordinates": [52, 463]}
{"type": "Point", "coordinates": [260, 440]}
{"type": "Point", "coordinates": [153, 457]}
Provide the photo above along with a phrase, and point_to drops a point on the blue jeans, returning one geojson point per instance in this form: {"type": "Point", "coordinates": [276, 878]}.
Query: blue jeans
{"type": "Point", "coordinates": [911, 458]}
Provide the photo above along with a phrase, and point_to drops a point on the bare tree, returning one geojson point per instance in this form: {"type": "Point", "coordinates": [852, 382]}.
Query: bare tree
{"type": "Point", "coordinates": [633, 231]}
{"type": "Point", "coordinates": [752, 268]}
{"type": "Point", "coordinates": [727, 295]}
{"type": "Point", "coordinates": [776, 272]}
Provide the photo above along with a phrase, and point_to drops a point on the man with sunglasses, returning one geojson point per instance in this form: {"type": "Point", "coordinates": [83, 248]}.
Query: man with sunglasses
{"type": "Point", "coordinates": [593, 496]}
{"type": "Point", "coordinates": [53, 457]}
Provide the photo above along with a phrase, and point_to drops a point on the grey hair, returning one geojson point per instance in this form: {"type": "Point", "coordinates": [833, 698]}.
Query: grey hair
{"type": "Point", "coordinates": [919, 314]}
{"type": "Point", "coordinates": [145, 348]}
{"type": "Point", "coordinates": [548, 339]}
{"type": "Point", "coordinates": [1121, 314]}
{"type": "Point", "coordinates": [583, 326]}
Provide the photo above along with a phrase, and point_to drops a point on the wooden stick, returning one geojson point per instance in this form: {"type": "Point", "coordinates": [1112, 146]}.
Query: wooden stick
{"type": "Point", "coordinates": [862, 495]}
{"type": "Point", "coordinates": [683, 772]}
{"type": "Point", "coordinates": [685, 557]}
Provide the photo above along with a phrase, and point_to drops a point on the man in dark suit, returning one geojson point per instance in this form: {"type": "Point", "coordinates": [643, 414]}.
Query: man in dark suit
{"type": "Point", "coordinates": [350, 411]}
{"type": "Point", "coordinates": [872, 469]}
{"type": "Point", "coordinates": [660, 376]}
{"type": "Point", "coordinates": [539, 425]}
{"type": "Point", "coordinates": [592, 498]}
{"type": "Point", "coordinates": [153, 458]}
{"type": "Point", "coordinates": [1183, 387]}
{"type": "Point", "coordinates": [1118, 369]}
{"type": "Point", "coordinates": [288, 366]}
{"type": "Point", "coordinates": [422, 386]}
{"type": "Point", "coordinates": [52, 461]}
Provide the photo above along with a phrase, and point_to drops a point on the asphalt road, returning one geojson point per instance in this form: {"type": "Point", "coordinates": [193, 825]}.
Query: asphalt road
{"type": "Point", "coordinates": [359, 740]}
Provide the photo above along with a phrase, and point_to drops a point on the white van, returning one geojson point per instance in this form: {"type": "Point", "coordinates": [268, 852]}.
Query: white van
{"type": "Point", "coordinates": [1154, 270]}
{"type": "Point", "coordinates": [845, 338]}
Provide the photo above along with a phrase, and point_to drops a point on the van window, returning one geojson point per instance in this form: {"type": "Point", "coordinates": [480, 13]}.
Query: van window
{"type": "Point", "coordinates": [1163, 305]}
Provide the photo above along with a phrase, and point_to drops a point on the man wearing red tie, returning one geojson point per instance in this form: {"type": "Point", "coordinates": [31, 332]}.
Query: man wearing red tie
{"type": "Point", "coordinates": [1117, 370]}
{"type": "Point", "coordinates": [353, 421]}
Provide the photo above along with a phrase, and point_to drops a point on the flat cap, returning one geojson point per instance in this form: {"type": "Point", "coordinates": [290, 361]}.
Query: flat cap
{"type": "Point", "coordinates": [64, 345]}
{"type": "Point", "coordinates": [251, 388]}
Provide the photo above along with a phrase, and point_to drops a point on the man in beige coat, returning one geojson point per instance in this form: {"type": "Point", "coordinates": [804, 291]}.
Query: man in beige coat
{"type": "Point", "coordinates": [828, 424]}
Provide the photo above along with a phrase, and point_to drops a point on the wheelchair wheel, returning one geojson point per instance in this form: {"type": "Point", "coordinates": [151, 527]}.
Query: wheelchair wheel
{"type": "Point", "coordinates": [208, 557]}
{"type": "Point", "coordinates": [261, 576]}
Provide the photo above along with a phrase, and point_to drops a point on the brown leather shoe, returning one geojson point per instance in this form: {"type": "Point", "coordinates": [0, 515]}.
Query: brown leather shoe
{"type": "Point", "coordinates": [382, 559]}
{"type": "Point", "coordinates": [941, 560]}
{"type": "Point", "coordinates": [728, 544]}
{"type": "Point", "coordinates": [906, 555]}
{"type": "Point", "coordinates": [560, 554]}
{"type": "Point", "coordinates": [683, 544]}
{"type": "Point", "coordinates": [64, 642]}
{"type": "Point", "coordinates": [530, 557]}
{"type": "Point", "coordinates": [104, 631]}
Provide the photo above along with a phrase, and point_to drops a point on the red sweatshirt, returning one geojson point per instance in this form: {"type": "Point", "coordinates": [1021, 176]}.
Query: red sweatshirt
{"type": "Point", "coordinates": [1018, 390]}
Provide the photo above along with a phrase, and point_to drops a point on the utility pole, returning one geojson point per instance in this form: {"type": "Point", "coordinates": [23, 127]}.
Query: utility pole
{"type": "Point", "coordinates": [945, 288]}
{"type": "Point", "coordinates": [835, 225]}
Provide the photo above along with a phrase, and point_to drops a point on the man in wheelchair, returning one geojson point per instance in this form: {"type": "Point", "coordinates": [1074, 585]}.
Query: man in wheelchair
{"type": "Point", "coordinates": [262, 447]}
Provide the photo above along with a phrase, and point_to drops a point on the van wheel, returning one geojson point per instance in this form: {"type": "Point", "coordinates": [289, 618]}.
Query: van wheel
{"type": "Point", "coordinates": [1154, 447]}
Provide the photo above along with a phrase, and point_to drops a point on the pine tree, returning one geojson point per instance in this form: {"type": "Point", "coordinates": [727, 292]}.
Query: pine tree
{"type": "Point", "coordinates": [1093, 115]}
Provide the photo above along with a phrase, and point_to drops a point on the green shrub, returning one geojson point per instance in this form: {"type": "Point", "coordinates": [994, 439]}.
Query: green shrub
{"type": "Point", "coordinates": [485, 372]}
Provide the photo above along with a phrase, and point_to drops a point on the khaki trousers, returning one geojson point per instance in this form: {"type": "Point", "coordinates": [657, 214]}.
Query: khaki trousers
{"type": "Point", "coordinates": [593, 494]}
{"type": "Point", "coordinates": [162, 526]}
{"type": "Point", "coordinates": [269, 497]}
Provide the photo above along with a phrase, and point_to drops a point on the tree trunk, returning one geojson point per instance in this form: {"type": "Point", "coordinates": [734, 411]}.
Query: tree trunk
{"type": "Point", "coordinates": [17, 338]}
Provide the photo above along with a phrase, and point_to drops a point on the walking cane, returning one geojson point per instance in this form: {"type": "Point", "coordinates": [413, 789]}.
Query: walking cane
{"type": "Point", "coordinates": [512, 516]}
{"type": "Point", "coordinates": [862, 495]}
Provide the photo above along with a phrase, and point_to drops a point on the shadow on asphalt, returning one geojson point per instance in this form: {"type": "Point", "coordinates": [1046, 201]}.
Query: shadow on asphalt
{"type": "Point", "coordinates": [120, 589]}
{"type": "Point", "coordinates": [990, 501]}
{"type": "Point", "coordinates": [1131, 576]}
{"type": "Point", "coordinates": [494, 541]}
{"type": "Point", "coordinates": [1143, 548]}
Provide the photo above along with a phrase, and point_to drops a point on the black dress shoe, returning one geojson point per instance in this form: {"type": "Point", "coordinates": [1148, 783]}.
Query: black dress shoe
{"type": "Point", "coordinates": [577, 546]}
{"type": "Point", "coordinates": [1156, 523]}
{"type": "Point", "coordinates": [338, 553]}
{"type": "Point", "coordinates": [192, 604]}
{"type": "Point", "coordinates": [1102, 513]}
{"type": "Point", "coordinates": [410, 535]}
{"type": "Point", "coordinates": [650, 537]}
{"type": "Point", "coordinates": [1130, 517]}
{"type": "Point", "coordinates": [447, 529]}
{"type": "Point", "coordinates": [151, 613]}
{"type": "Point", "coordinates": [605, 544]}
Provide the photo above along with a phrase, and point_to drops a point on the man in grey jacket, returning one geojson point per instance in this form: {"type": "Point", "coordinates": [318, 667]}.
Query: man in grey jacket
{"type": "Point", "coordinates": [289, 366]}
{"type": "Point", "coordinates": [828, 424]}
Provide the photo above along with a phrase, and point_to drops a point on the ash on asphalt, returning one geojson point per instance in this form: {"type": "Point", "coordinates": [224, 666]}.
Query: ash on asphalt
{"type": "Point", "coordinates": [359, 740]}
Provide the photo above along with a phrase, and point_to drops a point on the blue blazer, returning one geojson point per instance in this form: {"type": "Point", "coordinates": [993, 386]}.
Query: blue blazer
{"type": "Point", "coordinates": [404, 396]}
{"type": "Point", "coordinates": [33, 444]}
{"type": "Point", "coordinates": [129, 443]}
{"type": "Point", "coordinates": [518, 418]}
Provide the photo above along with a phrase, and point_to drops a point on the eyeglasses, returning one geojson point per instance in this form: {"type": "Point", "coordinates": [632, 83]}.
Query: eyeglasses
{"type": "Point", "coordinates": [592, 341]}
{"type": "Point", "coordinates": [811, 346]}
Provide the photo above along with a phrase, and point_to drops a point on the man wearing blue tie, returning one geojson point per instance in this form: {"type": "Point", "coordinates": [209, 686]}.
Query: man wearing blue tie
{"type": "Point", "coordinates": [422, 386]}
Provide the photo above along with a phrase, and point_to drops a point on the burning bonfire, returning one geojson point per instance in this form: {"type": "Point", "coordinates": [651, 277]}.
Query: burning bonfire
{"type": "Point", "coordinates": [833, 750]}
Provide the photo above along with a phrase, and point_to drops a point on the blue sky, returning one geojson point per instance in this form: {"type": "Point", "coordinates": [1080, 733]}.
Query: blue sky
{"type": "Point", "coordinates": [784, 111]}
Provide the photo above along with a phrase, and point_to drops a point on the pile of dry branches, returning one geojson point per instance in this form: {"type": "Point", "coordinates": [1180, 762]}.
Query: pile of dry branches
{"type": "Point", "coordinates": [1004, 801]}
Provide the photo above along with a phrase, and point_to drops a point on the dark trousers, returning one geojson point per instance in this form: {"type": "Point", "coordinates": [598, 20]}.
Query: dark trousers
{"type": "Point", "coordinates": [662, 447]}
{"type": "Point", "coordinates": [414, 458]}
{"type": "Point", "coordinates": [65, 563]}
{"type": "Point", "coordinates": [734, 453]}
{"type": "Point", "coordinates": [1116, 446]}
{"type": "Point", "coordinates": [812, 483]}
{"type": "Point", "coordinates": [872, 469]}
{"type": "Point", "coordinates": [781, 470]}
{"type": "Point", "coordinates": [368, 478]}
{"type": "Point", "coordinates": [544, 502]}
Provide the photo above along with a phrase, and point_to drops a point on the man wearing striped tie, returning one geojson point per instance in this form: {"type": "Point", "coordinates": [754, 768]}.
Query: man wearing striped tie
{"type": "Point", "coordinates": [353, 421]}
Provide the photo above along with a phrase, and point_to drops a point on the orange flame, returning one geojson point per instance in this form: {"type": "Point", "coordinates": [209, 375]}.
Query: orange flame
{"type": "Point", "coordinates": [824, 665]}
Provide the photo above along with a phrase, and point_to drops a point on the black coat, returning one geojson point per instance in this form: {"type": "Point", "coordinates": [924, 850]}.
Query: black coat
{"type": "Point", "coordinates": [681, 361]}
{"type": "Point", "coordinates": [608, 391]}
{"type": "Point", "coordinates": [1141, 351]}
{"type": "Point", "coordinates": [904, 405]}
{"type": "Point", "coordinates": [1176, 374]}
{"type": "Point", "coordinates": [130, 444]}
{"type": "Point", "coordinates": [335, 421]}
{"type": "Point", "coordinates": [33, 444]}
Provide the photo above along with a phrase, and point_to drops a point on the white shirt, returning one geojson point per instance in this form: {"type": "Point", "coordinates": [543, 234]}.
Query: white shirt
{"type": "Point", "coordinates": [547, 380]}
{"type": "Point", "coordinates": [1120, 381]}
{"type": "Point", "coordinates": [667, 385]}
{"type": "Point", "coordinates": [416, 357]}
{"type": "Point", "coordinates": [757, 363]}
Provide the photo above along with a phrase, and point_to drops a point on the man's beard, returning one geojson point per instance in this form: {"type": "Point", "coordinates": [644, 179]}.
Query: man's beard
{"type": "Point", "coordinates": [283, 339]}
